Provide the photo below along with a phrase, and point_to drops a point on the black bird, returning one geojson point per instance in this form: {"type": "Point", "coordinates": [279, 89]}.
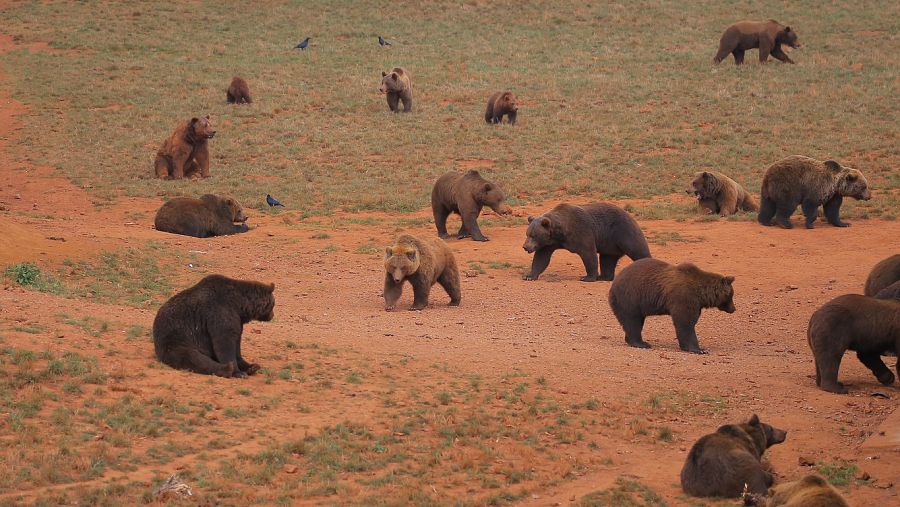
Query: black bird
{"type": "Point", "coordinates": [382, 41]}
{"type": "Point", "coordinates": [271, 201]}
{"type": "Point", "coordinates": [303, 44]}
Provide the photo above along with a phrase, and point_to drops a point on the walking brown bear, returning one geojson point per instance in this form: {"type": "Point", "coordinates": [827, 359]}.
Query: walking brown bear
{"type": "Point", "coordinates": [768, 36]}
{"type": "Point", "coordinates": [397, 87]}
{"type": "Point", "coordinates": [465, 194]}
{"type": "Point", "coordinates": [423, 262]}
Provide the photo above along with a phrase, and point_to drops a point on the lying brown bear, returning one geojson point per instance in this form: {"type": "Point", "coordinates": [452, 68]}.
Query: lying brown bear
{"type": "Point", "coordinates": [199, 329]}
{"type": "Point", "coordinates": [721, 463]}
{"type": "Point", "coordinates": [465, 194]}
{"type": "Point", "coordinates": [768, 36]}
{"type": "Point", "coordinates": [423, 262]}
{"type": "Point", "coordinates": [882, 275]}
{"type": "Point", "coordinates": [238, 92]}
{"type": "Point", "coordinates": [718, 194]}
{"type": "Point", "coordinates": [502, 103]}
{"type": "Point", "coordinates": [210, 215]}
{"type": "Point", "coordinates": [397, 86]}
{"type": "Point", "coordinates": [867, 325]}
{"type": "Point", "coordinates": [593, 229]}
{"type": "Point", "coordinates": [653, 287]}
{"type": "Point", "coordinates": [810, 491]}
{"type": "Point", "coordinates": [186, 152]}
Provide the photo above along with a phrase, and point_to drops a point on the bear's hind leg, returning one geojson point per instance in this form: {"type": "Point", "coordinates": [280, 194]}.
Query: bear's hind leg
{"type": "Point", "coordinates": [450, 281]}
{"type": "Point", "coordinates": [783, 215]}
{"type": "Point", "coordinates": [440, 219]}
{"type": "Point", "coordinates": [738, 56]}
{"type": "Point", "coordinates": [766, 211]}
{"type": "Point", "coordinates": [828, 367]}
{"type": "Point", "coordinates": [608, 266]}
{"type": "Point", "coordinates": [833, 211]}
{"type": "Point", "coordinates": [201, 363]}
{"type": "Point", "coordinates": [633, 324]}
{"type": "Point", "coordinates": [810, 211]}
{"type": "Point", "coordinates": [873, 362]}
{"type": "Point", "coordinates": [163, 171]}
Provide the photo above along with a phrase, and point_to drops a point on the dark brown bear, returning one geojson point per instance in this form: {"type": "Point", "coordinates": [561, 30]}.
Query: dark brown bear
{"type": "Point", "coordinates": [502, 103]}
{"type": "Point", "coordinates": [587, 230]}
{"type": "Point", "coordinates": [199, 329]}
{"type": "Point", "coordinates": [869, 326]}
{"type": "Point", "coordinates": [768, 36]}
{"type": "Point", "coordinates": [465, 194]}
{"type": "Point", "coordinates": [186, 152]}
{"type": "Point", "coordinates": [210, 215]}
{"type": "Point", "coordinates": [238, 92]}
{"type": "Point", "coordinates": [397, 85]}
{"type": "Point", "coordinates": [423, 262]}
{"type": "Point", "coordinates": [809, 183]}
{"type": "Point", "coordinates": [810, 491]}
{"type": "Point", "coordinates": [892, 291]}
{"type": "Point", "coordinates": [720, 195]}
{"type": "Point", "coordinates": [882, 275]}
{"type": "Point", "coordinates": [654, 287]}
{"type": "Point", "coordinates": [721, 463]}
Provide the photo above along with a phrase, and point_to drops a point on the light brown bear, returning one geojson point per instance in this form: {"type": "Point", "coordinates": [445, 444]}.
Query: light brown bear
{"type": "Point", "coordinates": [502, 103]}
{"type": "Point", "coordinates": [186, 152]}
{"type": "Point", "coordinates": [397, 86]}
{"type": "Point", "coordinates": [210, 215]}
{"type": "Point", "coordinates": [810, 491]}
{"type": "Point", "coordinates": [238, 92]}
{"type": "Point", "coordinates": [423, 262]}
{"type": "Point", "coordinates": [465, 194]}
{"type": "Point", "coordinates": [718, 194]}
{"type": "Point", "coordinates": [768, 36]}
{"type": "Point", "coordinates": [810, 183]}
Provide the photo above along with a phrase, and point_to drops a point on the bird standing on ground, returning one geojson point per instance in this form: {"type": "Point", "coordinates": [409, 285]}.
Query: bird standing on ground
{"type": "Point", "coordinates": [383, 42]}
{"type": "Point", "coordinates": [303, 44]}
{"type": "Point", "coordinates": [272, 202]}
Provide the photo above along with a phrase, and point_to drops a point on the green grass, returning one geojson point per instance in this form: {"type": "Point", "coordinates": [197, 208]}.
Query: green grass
{"type": "Point", "coordinates": [838, 473]}
{"type": "Point", "coordinates": [625, 493]}
{"type": "Point", "coordinates": [619, 101]}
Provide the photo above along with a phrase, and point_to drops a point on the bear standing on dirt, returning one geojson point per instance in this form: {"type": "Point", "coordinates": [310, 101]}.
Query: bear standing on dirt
{"type": "Point", "coordinates": [654, 287]}
{"type": "Point", "coordinates": [882, 275]}
{"type": "Point", "coordinates": [587, 230]}
{"type": "Point", "coordinates": [502, 103]}
{"type": "Point", "coordinates": [809, 183]}
{"type": "Point", "coordinates": [810, 491]}
{"type": "Point", "coordinates": [465, 194]}
{"type": "Point", "coordinates": [238, 92]}
{"type": "Point", "coordinates": [199, 329]}
{"type": "Point", "coordinates": [768, 36]}
{"type": "Point", "coordinates": [210, 215]}
{"type": "Point", "coordinates": [869, 326]}
{"type": "Point", "coordinates": [397, 85]}
{"type": "Point", "coordinates": [423, 262]}
{"type": "Point", "coordinates": [720, 195]}
{"type": "Point", "coordinates": [186, 152]}
{"type": "Point", "coordinates": [721, 463]}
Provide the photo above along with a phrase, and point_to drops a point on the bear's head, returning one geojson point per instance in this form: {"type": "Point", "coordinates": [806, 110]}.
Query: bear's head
{"type": "Point", "coordinates": [391, 82]}
{"type": "Point", "coordinates": [401, 260]}
{"type": "Point", "coordinates": [788, 36]}
{"type": "Point", "coordinates": [542, 231]}
{"type": "Point", "coordinates": [763, 435]}
{"type": "Point", "coordinates": [508, 101]}
{"type": "Point", "coordinates": [725, 294]}
{"type": "Point", "coordinates": [232, 209]}
{"type": "Point", "coordinates": [201, 128]}
{"type": "Point", "coordinates": [704, 186]}
{"type": "Point", "coordinates": [265, 303]}
{"type": "Point", "coordinates": [850, 182]}
{"type": "Point", "coordinates": [489, 194]}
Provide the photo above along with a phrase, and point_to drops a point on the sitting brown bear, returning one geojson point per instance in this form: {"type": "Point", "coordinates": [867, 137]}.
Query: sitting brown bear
{"type": "Point", "coordinates": [186, 152]}
{"type": "Point", "coordinates": [720, 195]}
{"type": "Point", "coordinates": [398, 87]}
{"type": "Point", "coordinates": [653, 287]}
{"type": "Point", "coordinates": [809, 183]}
{"type": "Point", "coordinates": [210, 215]}
{"type": "Point", "coordinates": [502, 103]}
{"type": "Point", "coordinates": [882, 275]}
{"type": "Point", "coordinates": [768, 36]}
{"type": "Point", "coordinates": [465, 194]}
{"type": "Point", "coordinates": [199, 329]}
{"type": "Point", "coordinates": [810, 491]}
{"type": "Point", "coordinates": [867, 325]}
{"type": "Point", "coordinates": [424, 262]}
{"type": "Point", "coordinates": [238, 92]}
{"type": "Point", "coordinates": [588, 230]}
{"type": "Point", "coordinates": [722, 463]}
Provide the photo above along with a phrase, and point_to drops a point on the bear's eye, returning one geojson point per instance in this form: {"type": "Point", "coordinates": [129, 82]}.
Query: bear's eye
{"type": "Point", "coordinates": [411, 255]}
{"type": "Point", "coordinates": [851, 177]}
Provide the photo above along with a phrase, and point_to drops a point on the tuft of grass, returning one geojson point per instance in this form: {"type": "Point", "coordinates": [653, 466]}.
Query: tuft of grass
{"type": "Point", "coordinates": [625, 493]}
{"type": "Point", "coordinates": [838, 473]}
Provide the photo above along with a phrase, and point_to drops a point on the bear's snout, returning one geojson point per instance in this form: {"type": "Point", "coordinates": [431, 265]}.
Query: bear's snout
{"type": "Point", "coordinates": [211, 134]}
{"type": "Point", "coordinates": [865, 195]}
{"type": "Point", "coordinates": [728, 308]}
{"type": "Point", "coordinates": [242, 217]}
{"type": "Point", "coordinates": [502, 209]}
{"type": "Point", "coordinates": [529, 246]}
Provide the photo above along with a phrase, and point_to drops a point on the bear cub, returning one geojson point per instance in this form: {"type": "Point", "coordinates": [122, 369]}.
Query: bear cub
{"type": "Point", "coordinates": [768, 36]}
{"type": "Point", "coordinates": [423, 262]}
{"type": "Point", "coordinates": [186, 152]}
{"type": "Point", "coordinates": [210, 215]}
{"type": "Point", "coordinates": [397, 86]}
{"type": "Point", "coordinates": [720, 195]}
{"type": "Point", "coordinates": [500, 104]}
{"type": "Point", "coordinates": [238, 92]}
{"type": "Point", "coordinates": [465, 194]}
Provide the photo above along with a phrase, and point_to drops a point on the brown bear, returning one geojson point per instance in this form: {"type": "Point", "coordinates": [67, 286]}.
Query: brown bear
{"type": "Point", "coordinates": [809, 183]}
{"type": "Point", "coordinates": [882, 275]}
{"type": "Point", "coordinates": [653, 287]}
{"type": "Point", "coordinates": [199, 329]}
{"type": "Point", "coordinates": [210, 215]}
{"type": "Point", "coordinates": [238, 92]}
{"type": "Point", "coordinates": [721, 463]}
{"type": "Point", "coordinates": [720, 195]}
{"type": "Point", "coordinates": [810, 491]}
{"type": "Point", "coordinates": [590, 230]}
{"type": "Point", "coordinates": [869, 326]}
{"type": "Point", "coordinates": [768, 36]}
{"type": "Point", "coordinates": [502, 103]}
{"type": "Point", "coordinates": [892, 291]}
{"type": "Point", "coordinates": [465, 194]}
{"type": "Point", "coordinates": [186, 152]}
{"type": "Point", "coordinates": [397, 85]}
{"type": "Point", "coordinates": [423, 262]}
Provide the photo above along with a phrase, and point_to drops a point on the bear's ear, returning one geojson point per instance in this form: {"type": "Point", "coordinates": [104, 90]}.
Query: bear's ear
{"type": "Point", "coordinates": [383, 73]}
{"type": "Point", "coordinates": [706, 175]}
{"type": "Point", "coordinates": [787, 29]}
{"type": "Point", "coordinates": [545, 222]}
{"type": "Point", "coordinates": [272, 287]}
{"type": "Point", "coordinates": [207, 117]}
{"type": "Point", "coordinates": [488, 187]}
{"type": "Point", "coordinates": [411, 255]}
{"type": "Point", "coordinates": [388, 252]}
{"type": "Point", "coordinates": [834, 166]}
{"type": "Point", "coordinates": [852, 176]}
{"type": "Point", "coordinates": [754, 420]}
{"type": "Point", "coordinates": [729, 280]}
{"type": "Point", "coordinates": [194, 121]}
{"type": "Point", "coordinates": [530, 219]}
{"type": "Point", "coordinates": [394, 76]}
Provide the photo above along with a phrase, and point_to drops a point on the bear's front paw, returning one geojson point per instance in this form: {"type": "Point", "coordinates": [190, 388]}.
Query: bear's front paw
{"type": "Point", "coordinates": [886, 378]}
{"type": "Point", "coordinates": [588, 278]}
{"type": "Point", "coordinates": [842, 224]}
{"type": "Point", "coordinates": [389, 308]}
{"type": "Point", "coordinates": [482, 238]}
{"type": "Point", "coordinates": [697, 350]}
{"type": "Point", "coordinates": [529, 277]}
{"type": "Point", "coordinates": [416, 308]}
{"type": "Point", "coordinates": [253, 369]}
{"type": "Point", "coordinates": [239, 374]}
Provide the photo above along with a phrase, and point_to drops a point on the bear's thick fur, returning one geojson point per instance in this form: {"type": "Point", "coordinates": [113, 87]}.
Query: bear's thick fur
{"type": "Point", "coordinates": [721, 463]}
{"type": "Point", "coordinates": [238, 92]}
{"type": "Point", "coordinates": [892, 291]}
{"type": "Point", "coordinates": [768, 36]}
{"type": "Point", "coordinates": [810, 183]}
{"type": "Point", "coordinates": [653, 287]}
{"type": "Point", "coordinates": [866, 325]}
{"type": "Point", "coordinates": [502, 103]}
{"type": "Point", "coordinates": [210, 215]}
{"type": "Point", "coordinates": [423, 262]}
{"type": "Point", "coordinates": [186, 152]}
{"type": "Point", "coordinates": [199, 329]}
{"type": "Point", "coordinates": [588, 230]}
{"type": "Point", "coordinates": [465, 194]}
{"type": "Point", "coordinates": [884, 273]}
{"type": "Point", "coordinates": [397, 86]}
{"type": "Point", "coordinates": [720, 195]}
{"type": "Point", "coordinates": [810, 491]}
